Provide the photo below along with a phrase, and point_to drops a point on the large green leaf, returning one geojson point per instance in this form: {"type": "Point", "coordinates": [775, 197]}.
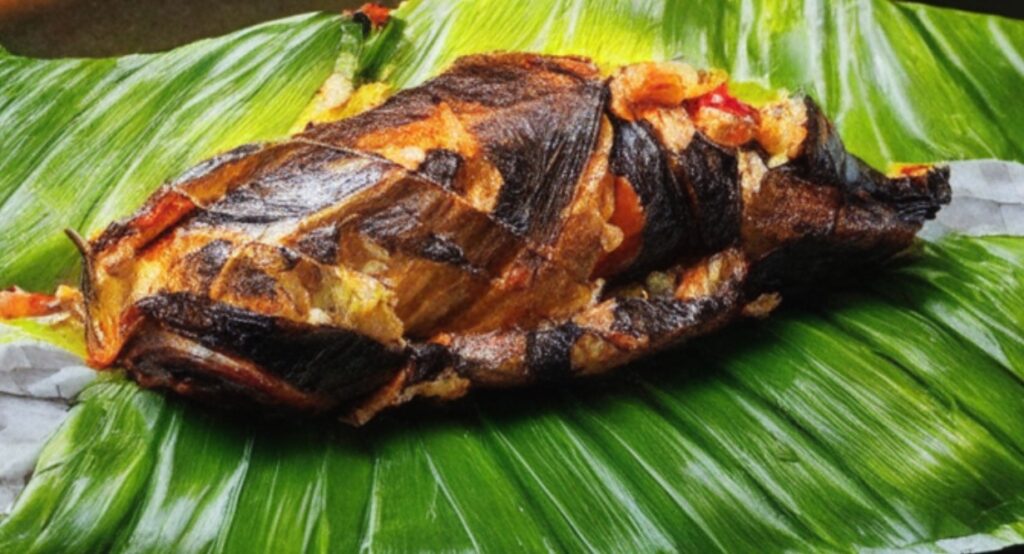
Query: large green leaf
{"type": "Point", "coordinates": [885, 416]}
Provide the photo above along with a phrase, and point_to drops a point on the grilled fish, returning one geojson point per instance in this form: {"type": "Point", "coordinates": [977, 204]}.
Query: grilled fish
{"type": "Point", "coordinates": [519, 218]}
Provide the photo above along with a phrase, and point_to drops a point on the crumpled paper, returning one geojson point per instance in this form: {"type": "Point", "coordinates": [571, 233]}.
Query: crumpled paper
{"type": "Point", "coordinates": [988, 199]}
{"type": "Point", "coordinates": [38, 381]}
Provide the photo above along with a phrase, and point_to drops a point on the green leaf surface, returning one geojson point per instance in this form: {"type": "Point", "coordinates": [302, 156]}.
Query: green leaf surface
{"type": "Point", "coordinates": [66, 334]}
{"type": "Point", "coordinates": [90, 473]}
{"type": "Point", "coordinates": [885, 416]}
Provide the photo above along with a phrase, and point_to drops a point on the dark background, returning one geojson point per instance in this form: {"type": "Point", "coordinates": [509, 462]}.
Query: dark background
{"type": "Point", "coordinates": [55, 28]}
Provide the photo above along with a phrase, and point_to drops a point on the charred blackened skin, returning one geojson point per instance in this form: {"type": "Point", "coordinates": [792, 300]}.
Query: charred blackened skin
{"type": "Point", "coordinates": [827, 161]}
{"type": "Point", "coordinates": [401, 230]}
{"type": "Point", "coordinates": [655, 317]}
{"type": "Point", "coordinates": [540, 169]}
{"type": "Point", "coordinates": [316, 359]}
{"type": "Point", "coordinates": [321, 244]}
{"type": "Point", "coordinates": [207, 262]}
{"type": "Point", "coordinates": [670, 229]}
{"type": "Point", "coordinates": [549, 351]}
{"type": "Point", "coordinates": [440, 166]}
{"type": "Point", "coordinates": [450, 238]}
{"type": "Point", "coordinates": [709, 172]}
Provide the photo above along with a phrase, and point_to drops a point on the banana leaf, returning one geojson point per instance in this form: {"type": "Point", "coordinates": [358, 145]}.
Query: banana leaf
{"type": "Point", "coordinates": [888, 415]}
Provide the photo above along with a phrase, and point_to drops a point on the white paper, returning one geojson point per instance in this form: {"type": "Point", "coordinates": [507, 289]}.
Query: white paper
{"type": "Point", "coordinates": [988, 199]}
{"type": "Point", "coordinates": [38, 382]}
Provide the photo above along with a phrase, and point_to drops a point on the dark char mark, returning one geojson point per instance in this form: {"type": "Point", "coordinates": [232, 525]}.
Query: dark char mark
{"type": "Point", "coordinates": [549, 351]}
{"type": "Point", "coordinates": [661, 317]}
{"type": "Point", "coordinates": [250, 280]}
{"type": "Point", "coordinates": [390, 224]}
{"type": "Point", "coordinates": [826, 161]}
{"type": "Point", "coordinates": [440, 249]}
{"type": "Point", "coordinates": [710, 172]}
{"type": "Point", "coordinates": [205, 264]}
{"type": "Point", "coordinates": [440, 166]}
{"type": "Point", "coordinates": [398, 227]}
{"type": "Point", "coordinates": [541, 148]}
{"type": "Point", "coordinates": [321, 244]}
{"type": "Point", "coordinates": [669, 228]}
{"type": "Point", "coordinates": [321, 359]}
{"type": "Point", "coordinates": [307, 180]}
{"type": "Point", "coordinates": [430, 359]}
{"type": "Point", "coordinates": [408, 106]}
{"type": "Point", "coordinates": [207, 167]}
{"type": "Point", "coordinates": [171, 367]}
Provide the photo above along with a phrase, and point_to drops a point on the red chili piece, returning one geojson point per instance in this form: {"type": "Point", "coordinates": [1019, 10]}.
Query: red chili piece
{"type": "Point", "coordinates": [377, 14]}
{"type": "Point", "coordinates": [720, 99]}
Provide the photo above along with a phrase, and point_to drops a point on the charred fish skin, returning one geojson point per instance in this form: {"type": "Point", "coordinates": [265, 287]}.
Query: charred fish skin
{"type": "Point", "coordinates": [518, 219]}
